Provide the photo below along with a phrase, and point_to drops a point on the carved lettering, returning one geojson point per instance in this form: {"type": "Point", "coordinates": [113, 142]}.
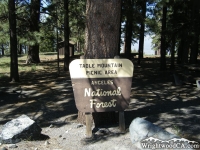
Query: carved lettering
{"type": "Point", "coordinates": [101, 92]}
{"type": "Point", "coordinates": [110, 72]}
{"type": "Point", "coordinates": [111, 103]}
{"type": "Point", "coordinates": [87, 65]}
{"type": "Point", "coordinates": [102, 82]}
{"type": "Point", "coordinates": [93, 73]}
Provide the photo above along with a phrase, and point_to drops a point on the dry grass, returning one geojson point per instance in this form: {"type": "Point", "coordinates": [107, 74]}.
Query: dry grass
{"type": "Point", "coordinates": [23, 67]}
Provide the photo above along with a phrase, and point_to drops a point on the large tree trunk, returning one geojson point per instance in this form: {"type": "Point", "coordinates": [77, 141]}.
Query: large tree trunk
{"type": "Point", "coordinates": [102, 39]}
{"type": "Point", "coordinates": [173, 38]}
{"type": "Point", "coordinates": [66, 36]}
{"type": "Point", "coordinates": [173, 51]}
{"type": "Point", "coordinates": [129, 26]}
{"type": "Point", "coordinates": [185, 50]}
{"type": "Point", "coordinates": [20, 49]}
{"type": "Point", "coordinates": [102, 28]}
{"type": "Point", "coordinates": [179, 53]}
{"type": "Point", "coordinates": [195, 43]}
{"type": "Point", "coordinates": [142, 30]}
{"type": "Point", "coordinates": [119, 44]}
{"type": "Point", "coordinates": [33, 51]}
{"type": "Point", "coordinates": [14, 75]}
{"type": "Point", "coordinates": [163, 40]}
{"type": "Point", "coordinates": [2, 49]}
{"type": "Point", "coordinates": [33, 54]}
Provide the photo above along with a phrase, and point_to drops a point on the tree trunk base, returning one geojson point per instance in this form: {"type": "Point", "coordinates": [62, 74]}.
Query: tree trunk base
{"type": "Point", "coordinates": [100, 119]}
{"type": "Point", "coordinates": [105, 118]}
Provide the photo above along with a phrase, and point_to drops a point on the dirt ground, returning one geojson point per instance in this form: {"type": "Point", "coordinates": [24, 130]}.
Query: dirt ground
{"type": "Point", "coordinates": [47, 98]}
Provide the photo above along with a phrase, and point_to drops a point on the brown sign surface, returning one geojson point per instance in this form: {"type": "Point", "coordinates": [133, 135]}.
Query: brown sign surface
{"type": "Point", "coordinates": [101, 84]}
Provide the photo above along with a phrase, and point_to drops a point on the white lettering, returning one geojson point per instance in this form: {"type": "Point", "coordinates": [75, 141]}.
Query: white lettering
{"type": "Point", "coordinates": [101, 92]}
{"type": "Point", "coordinates": [87, 92]}
{"type": "Point", "coordinates": [111, 103]}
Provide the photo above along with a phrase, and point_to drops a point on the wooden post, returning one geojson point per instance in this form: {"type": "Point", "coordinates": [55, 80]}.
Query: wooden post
{"type": "Point", "coordinates": [88, 118]}
{"type": "Point", "coordinates": [121, 113]}
{"type": "Point", "coordinates": [121, 121]}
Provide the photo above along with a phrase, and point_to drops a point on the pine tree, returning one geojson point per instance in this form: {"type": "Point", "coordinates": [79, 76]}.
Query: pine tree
{"type": "Point", "coordinates": [14, 75]}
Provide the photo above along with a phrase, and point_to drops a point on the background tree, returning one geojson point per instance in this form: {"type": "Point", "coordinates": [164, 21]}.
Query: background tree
{"type": "Point", "coordinates": [66, 36]}
{"type": "Point", "coordinates": [142, 30]}
{"type": "Point", "coordinates": [195, 4]}
{"type": "Point", "coordinates": [128, 4]}
{"type": "Point", "coordinates": [163, 38]}
{"type": "Point", "coordinates": [4, 28]}
{"type": "Point", "coordinates": [39, 30]}
{"type": "Point", "coordinates": [14, 75]}
{"type": "Point", "coordinates": [77, 22]}
{"type": "Point", "coordinates": [33, 51]}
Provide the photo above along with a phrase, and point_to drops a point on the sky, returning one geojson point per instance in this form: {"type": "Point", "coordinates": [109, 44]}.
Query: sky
{"type": "Point", "coordinates": [147, 46]}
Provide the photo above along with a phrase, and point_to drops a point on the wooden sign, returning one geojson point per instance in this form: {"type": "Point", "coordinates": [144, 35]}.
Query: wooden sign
{"type": "Point", "coordinates": [101, 85]}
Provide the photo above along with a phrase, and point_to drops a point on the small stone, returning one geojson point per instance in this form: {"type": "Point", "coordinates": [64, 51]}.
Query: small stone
{"type": "Point", "coordinates": [12, 146]}
{"type": "Point", "coordinates": [46, 143]}
{"type": "Point", "coordinates": [79, 126]}
{"type": "Point", "coordinates": [51, 126]}
{"type": "Point", "coordinates": [46, 130]}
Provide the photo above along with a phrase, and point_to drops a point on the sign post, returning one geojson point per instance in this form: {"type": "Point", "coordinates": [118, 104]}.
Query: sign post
{"type": "Point", "coordinates": [101, 85]}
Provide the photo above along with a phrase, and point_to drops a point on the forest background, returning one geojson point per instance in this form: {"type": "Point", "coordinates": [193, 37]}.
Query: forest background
{"type": "Point", "coordinates": [37, 26]}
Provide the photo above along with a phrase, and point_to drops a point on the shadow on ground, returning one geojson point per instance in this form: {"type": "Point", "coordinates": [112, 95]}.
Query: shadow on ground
{"type": "Point", "coordinates": [48, 98]}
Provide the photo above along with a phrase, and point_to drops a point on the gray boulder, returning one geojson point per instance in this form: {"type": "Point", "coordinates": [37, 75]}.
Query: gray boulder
{"type": "Point", "coordinates": [141, 129]}
{"type": "Point", "coordinates": [21, 128]}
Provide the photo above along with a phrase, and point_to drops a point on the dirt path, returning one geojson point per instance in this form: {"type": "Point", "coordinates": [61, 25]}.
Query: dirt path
{"type": "Point", "coordinates": [48, 99]}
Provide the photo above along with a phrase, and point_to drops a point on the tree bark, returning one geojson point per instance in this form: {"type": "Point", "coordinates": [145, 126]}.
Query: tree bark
{"type": "Point", "coordinates": [119, 44]}
{"type": "Point", "coordinates": [142, 30]}
{"type": "Point", "coordinates": [173, 37]}
{"type": "Point", "coordinates": [102, 28]}
{"type": "Point", "coordinates": [129, 26]}
{"type": "Point", "coordinates": [14, 75]}
{"type": "Point", "coordinates": [20, 49]}
{"type": "Point", "coordinates": [185, 50]}
{"type": "Point", "coordinates": [102, 40]}
{"type": "Point", "coordinates": [163, 40]}
{"type": "Point", "coordinates": [33, 51]}
{"type": "Point", "coordinates": [2, 49]}
{"type": "Point", "coordinates": [195, 43]}
{"type": "Point", "coordinates": [66, 37]}
{"type": "Point", "coordinates": [180, 47]}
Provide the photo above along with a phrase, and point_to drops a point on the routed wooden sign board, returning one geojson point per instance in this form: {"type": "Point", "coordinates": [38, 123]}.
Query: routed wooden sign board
{"type": "Point", "coordinates": [101, 85]}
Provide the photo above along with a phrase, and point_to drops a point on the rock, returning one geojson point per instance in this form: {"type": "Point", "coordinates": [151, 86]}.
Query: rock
{"type": "Point", "coordinates": [21, 128]}
{"type": "Point", "coordinates": [141, 129]}
{"type": "Point", "coordinates": [46, 143]}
